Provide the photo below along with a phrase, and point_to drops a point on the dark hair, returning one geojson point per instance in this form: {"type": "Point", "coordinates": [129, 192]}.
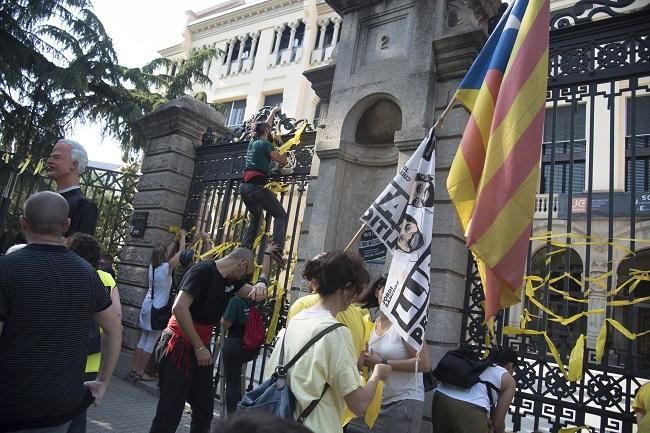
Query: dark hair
{"type": "Point", "coordinates": [337, 270]}
{"type": "Point", "coordinates": [186, 257]}
{"type": "Point", "coordinates": [262, 422]}
{"type": "Point", "coordinates": [313, 266]}
{"type": "Point", "coordinates": [420, 242]}
{"type": "Point", "coordinates": [371, 300]}
{"type": "Point", "coordinates": [85, 246]}
{"type": "Point", "coordinates": [158, 256]}
{"type": "Point", "coordinates": [505, 355]}
{"type": "Point", "coordinates": [260, 129]}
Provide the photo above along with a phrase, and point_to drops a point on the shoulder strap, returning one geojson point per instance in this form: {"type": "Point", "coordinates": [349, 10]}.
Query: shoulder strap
{"type": "Point", "coordinates": [490, 387]}
{"type": "Point", "coordinates": [305, 413]}
{"type": "Point", "coordinates": [153, 275]}
{"type": "Point", "coordinates": [282, 369]}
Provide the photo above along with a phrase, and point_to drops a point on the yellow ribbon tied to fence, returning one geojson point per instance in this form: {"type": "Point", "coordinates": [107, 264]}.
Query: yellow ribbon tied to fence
{"type": "Point", "coordinates": [294, 141]}
{"type": "Point", "coordinates": [273, 325]}
{"type": "Point", "coordinates": [277, 187]}
{"type": "Point", "coordinates": [574, 429]}
{"type": "Point", "coordinates": [23, 165]}
{"type": "Point", "coordinates": [511, 330]}
{"type": "Point", "coordinates": [602, 336]}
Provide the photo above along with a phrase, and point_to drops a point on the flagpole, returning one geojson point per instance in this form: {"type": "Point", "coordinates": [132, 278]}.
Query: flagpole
{"type": "Point", "coordinates": [444, 113]}
{"type": "Point", "coordinates": [356, 237]}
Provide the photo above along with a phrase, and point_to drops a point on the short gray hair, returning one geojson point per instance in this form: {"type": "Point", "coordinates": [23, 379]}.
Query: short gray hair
{"type": "Point", "coordinates": [46, 213]}
{"type": "Point", "coordinates": [77, 152]}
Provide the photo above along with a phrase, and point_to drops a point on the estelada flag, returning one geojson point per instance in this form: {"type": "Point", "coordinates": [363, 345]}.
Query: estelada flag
{"type": "Point", "coordinates": [493, 179]}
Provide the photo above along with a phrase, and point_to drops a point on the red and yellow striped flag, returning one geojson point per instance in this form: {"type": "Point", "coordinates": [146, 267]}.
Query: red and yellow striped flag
{"type": "Point", "coordinates": [493, 179]}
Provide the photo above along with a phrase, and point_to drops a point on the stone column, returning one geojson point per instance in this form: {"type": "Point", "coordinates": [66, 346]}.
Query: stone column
{"type": "Point", "coordinates": [323, 29]}
{"type": "Point", "coordinates": [337, 28]}
{"type": "Point", "coordinates": [231, 46]}
{"type": "Point", "coordinates": [254, 38]}
{"type": "Point", "coordinates": [287, 55]}
{"type": "Point", "coordinates": [276, 47]}
{"type": "Point", "coordinates": [173, 133]}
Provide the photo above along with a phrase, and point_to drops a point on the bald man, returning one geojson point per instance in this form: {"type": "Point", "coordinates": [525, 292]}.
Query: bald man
{"type": "Point", "coordinates": [186, 365]}
{"type": "Point", "coordinates": [48, 298]}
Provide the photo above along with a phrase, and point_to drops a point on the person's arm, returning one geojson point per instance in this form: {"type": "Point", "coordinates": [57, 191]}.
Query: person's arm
{"type": "Point", "coordinates": [269, 121]}
{"type": "Point", "coordinates": [173, 260]}
{"type": "Point", "coordinates": [181, 310]}
{"type": "Point", "coordinates": [506, 395]}
{"type": "Point", "coordinates": [359, 399]}
{"type": "Point", "coordinates": [117, 303]}
{"type": "Point", "coordinates": [111, 326]}
{"type": "Point", "coordinates": [279, 158]}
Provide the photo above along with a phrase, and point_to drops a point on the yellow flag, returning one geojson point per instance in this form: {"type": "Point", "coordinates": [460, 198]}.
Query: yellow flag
{"type": "Point", "coordinates": [294, 141]}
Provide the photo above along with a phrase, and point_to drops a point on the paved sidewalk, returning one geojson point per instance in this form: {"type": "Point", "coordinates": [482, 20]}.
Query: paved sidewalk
{"type": "Point", "coordinates": [127, 408]}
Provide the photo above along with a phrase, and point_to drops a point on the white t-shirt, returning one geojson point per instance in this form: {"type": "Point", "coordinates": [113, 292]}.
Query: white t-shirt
{"type": "Point", "coordinates": [399, 385]}
{"type": "Point", "coordinates": [477, 394]}
{"type": "Point", "coordinates": [162, 281]}
{"type": "Point", "coordinates": [331, 360]}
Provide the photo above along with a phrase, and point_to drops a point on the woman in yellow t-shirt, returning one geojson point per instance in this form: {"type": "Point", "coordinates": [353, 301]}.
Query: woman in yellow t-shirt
{"type": "Point", "coordinates": [339, 278]}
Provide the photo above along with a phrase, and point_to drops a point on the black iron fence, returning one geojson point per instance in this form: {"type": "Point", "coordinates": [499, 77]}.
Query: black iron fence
{"type": "Point", "coordinates": [112, 191]}
{"type": "Point", "coordinates": [590, 247]}
{"type": "Point", "coordinates": [215, 207]}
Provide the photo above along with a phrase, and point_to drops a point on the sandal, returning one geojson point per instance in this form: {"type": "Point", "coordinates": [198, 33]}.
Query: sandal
{"type": "Point", "coordinates": [134, 376]}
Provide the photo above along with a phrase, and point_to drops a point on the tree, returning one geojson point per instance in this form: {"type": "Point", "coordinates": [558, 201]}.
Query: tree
{"type": "Point", "coordinates": [58, 65]}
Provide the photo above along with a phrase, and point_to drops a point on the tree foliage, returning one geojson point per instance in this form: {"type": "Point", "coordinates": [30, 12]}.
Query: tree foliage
{"type": "Point", "coordinates": [58, 65]}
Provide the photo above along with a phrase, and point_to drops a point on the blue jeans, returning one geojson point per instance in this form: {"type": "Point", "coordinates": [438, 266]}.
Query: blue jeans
{"type": "Point", "coordinates": [257, 198]}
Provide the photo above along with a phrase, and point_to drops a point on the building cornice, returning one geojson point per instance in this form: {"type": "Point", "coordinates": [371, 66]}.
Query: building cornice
{"type": "Point", "coordinates": [171, 51]}
{"type": "Point", "coordinates": [250, 13]}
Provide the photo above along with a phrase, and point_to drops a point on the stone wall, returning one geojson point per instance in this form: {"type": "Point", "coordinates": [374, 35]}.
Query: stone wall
{"type": "Point", "coordinates": [173, 133]}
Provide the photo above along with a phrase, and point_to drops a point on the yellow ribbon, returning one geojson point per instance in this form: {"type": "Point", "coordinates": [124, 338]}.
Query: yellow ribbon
{"type": "Point", "coordinates": [219, 250]}
{"type": "Point", "coordinates": [602, 336]}
{"type": "Point", "coordinates": [6, 157]}
{"type": "Point", "coordinates": [277, 187]}
{"type": "Point", "coordinates": [574, 429]}
{"type": "Point", "coordinates": [39, 166]}
{"type": "Point", "coordinates": [576, 360]}
{"type": "Point", "coordinates": [294, 141]}
{"type": "Point", "coordinates": [23, 165]}
{"type": "Point", "coordinates": [273, 325]}
{"type": "Point", "coordinates": [510, 330]}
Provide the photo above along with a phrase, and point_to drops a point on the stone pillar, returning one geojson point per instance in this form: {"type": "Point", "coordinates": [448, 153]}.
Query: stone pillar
{"type": "Point", "coordinates": [254, 38]}
{"type": "Point", "coordinates": [276, 47]}
{"type": "Point", "coordinates": [173, 133]}
{"type": "Point", "coordinates": [323, 29]}
{"type": "Point", "coordinates": [231, 47]}
{"type": "Point", "coordinates": [288, 54]}
{"type": "Point", "coordinates": [337, 28]}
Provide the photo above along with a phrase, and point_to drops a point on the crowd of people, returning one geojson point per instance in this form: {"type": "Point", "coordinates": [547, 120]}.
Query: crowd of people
{"type": "Point", "coordinates": [61, 332]}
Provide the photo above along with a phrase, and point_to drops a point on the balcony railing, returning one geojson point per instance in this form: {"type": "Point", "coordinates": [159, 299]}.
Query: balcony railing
{"type": "Point", "coordinates": [542, 205]}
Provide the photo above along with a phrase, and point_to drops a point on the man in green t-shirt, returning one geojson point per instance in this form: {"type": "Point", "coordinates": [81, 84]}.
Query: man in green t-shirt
{"type": "Point", "coordinates": [255, 196]}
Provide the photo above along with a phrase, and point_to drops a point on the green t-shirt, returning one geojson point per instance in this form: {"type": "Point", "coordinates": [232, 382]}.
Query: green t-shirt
{"type": "Point", "coordinates": [237, 313]}
{"type": "Point", "coordinates": [258, 156]}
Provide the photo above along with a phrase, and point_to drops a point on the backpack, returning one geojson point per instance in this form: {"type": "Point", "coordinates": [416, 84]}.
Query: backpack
{"type": "Point", "coordinates": [274, 394]}
{"type": "Point", "coordinates": [254, 333]}
{"type": "Point", "coordinates": [460, 368]}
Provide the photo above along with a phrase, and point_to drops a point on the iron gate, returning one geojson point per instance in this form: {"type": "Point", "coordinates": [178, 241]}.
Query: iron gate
{"type": "Point", "coordinates": [214, 206]}
{"type": "Point", "coordinates": [594, 198]}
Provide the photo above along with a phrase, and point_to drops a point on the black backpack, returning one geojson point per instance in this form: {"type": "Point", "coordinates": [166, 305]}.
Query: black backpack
{"type": "Point", "coordinates": [461, 368]}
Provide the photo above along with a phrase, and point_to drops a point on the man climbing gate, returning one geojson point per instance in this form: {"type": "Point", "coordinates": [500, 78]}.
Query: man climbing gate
{"type": "Point", "coordinates": [257, 198]}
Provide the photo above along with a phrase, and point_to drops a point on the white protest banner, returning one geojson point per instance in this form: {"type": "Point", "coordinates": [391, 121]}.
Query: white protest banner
{"type": "Point", "coordinates": [402, 218]}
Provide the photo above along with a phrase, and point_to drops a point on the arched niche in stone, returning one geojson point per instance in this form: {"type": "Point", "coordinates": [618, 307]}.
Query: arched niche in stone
{"type": "Point", "coordinates": [368, 132]}
{"type": "Point", "coordinates": [634, 317]}
{"type": "Point", "coordinates": [566, 261]}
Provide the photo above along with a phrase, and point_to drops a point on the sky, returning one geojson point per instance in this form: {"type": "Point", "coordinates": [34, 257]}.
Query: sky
{"type": "Point", "coordinates": [139, 28]}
